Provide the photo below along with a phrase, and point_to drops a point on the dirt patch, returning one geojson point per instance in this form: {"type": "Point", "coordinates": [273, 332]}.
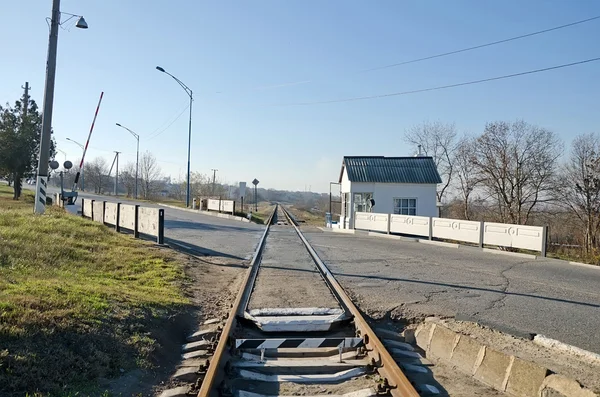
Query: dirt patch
{"type": "Point", "coordinates": [212, 284]}
{"type": "Point", "coordinates": [585, 372]}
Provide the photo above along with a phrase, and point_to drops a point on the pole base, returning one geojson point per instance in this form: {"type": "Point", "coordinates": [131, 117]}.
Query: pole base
{"type": "Point", "coordinates": [39, 206]}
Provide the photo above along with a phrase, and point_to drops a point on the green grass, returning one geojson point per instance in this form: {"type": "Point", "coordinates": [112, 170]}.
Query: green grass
{"type": "Point", "coordinates": [78, 301]}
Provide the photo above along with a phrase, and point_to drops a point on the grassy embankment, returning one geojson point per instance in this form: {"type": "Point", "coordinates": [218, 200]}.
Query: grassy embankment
{"type": "Point", "coordinates": [78, 302]}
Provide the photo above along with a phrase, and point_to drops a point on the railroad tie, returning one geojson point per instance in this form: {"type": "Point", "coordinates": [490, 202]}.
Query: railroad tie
{"type": "Point", "coordinates": [298, 343]}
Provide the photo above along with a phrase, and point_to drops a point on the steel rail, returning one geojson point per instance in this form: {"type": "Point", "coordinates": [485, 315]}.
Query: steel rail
{"type": "Point", "coordinates": [387, 367]}
{"type": "Point", "coordinates": [216, 362]}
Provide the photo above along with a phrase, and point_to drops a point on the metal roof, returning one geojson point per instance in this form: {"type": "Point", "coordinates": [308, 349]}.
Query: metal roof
{"type": "Point", "coordinates": [382, 169]}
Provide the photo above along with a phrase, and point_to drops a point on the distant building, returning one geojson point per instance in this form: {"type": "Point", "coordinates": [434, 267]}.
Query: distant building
{"type": "Point", "coordinates": [390, 185]}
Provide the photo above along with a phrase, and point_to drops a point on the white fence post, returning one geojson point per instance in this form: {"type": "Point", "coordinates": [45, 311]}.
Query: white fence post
{"type": "Point", "coordinates": [481, 229]}
{"type": "Point", "coordinates": [430, 228]}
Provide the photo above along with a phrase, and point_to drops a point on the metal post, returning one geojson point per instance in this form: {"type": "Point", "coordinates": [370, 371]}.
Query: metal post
{"type": "Point", "coordinates": [42, 171]}
{"type": "Point", "coordinates": [481, 233]}
{"type": "Point", "coordinates": [213, 183]}
{"type": "Point", "coordinates": [62, 187]}
{"type": "Point", "coordinates": [117, 176]}
{"type": "Point", "coordinates": [137, 164]}
{"type": "Point", "coordinates": [187, 197]}
{"type": "Point", "coordinates": [160, 238]}
{"type": "Point", "coordinates": [544, 241]}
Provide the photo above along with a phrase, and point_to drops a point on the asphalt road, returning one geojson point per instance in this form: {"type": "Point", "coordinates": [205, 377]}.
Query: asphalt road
{"type": "Point", "coordinates": [197, 232]}
{"type": "Point", "coordinates": [413, 280]}
{"type": "Point", "coordinates": [515, 295]}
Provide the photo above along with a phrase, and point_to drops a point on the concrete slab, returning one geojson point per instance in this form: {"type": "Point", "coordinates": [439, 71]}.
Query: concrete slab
{"type": "Point", "coordinates": [423, 335]}
{"type": "Point", "coordinates": [196, 354]}
{"type": "Point", "coordinates": [525, 378]}
{"type": "Point", "coordinates": [180, 391]}
{"type": "Point", "coordinates": [465, 354]}
{"type": "Point", "coordinates": [493, 368]}
{"type": "Point", "coordinates": [193, 362]}
{"type": "Point", "coordinates": [186, 374]}
{"type": "Point", "coordinates": [442, 342]}
{"type": "Point", "coordinates": [193, 346]}
{"type": "Point", "coordinates": [204, 334]}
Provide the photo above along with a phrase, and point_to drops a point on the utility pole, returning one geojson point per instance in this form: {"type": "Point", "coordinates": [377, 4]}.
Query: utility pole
{"type": "Point", "coordinates": [117, 174]}
{"type": "Point", "coordinates": [213, 183]}
{"type": "Point", "coordinates": [42, 171]}
{"type": "Point", "coordinates": [25, 99]}
{"type": "Point", "coordinates": [111, 168]}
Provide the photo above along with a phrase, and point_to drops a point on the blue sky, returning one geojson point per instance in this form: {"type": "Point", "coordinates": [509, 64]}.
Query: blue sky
{"type": "Point", "coordinates": [234, 54]}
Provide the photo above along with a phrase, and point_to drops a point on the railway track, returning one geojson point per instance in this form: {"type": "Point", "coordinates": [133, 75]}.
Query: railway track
{"type": "Point", "coordinates": [296, 348]}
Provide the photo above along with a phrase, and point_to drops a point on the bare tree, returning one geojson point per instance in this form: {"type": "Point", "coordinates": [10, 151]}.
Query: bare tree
{"type": "Point", "coordinates": [517, 163]}
{"type": "Point", "coordinates": [580, 191]}
{"type": "Point", "coordinates": [466, 173]}
{"type": "Point", "coordinates": [96, 174]}
{"type": "Point", "coordinates": [150, 176]}
{"type": "Point", "coordinates": [437, 140]}
{"type": "Point", "coordinates": [127, 178]}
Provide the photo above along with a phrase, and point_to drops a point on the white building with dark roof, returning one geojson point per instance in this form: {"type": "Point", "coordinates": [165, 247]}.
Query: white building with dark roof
{"type": "Point", "coordinates": [390, 185]}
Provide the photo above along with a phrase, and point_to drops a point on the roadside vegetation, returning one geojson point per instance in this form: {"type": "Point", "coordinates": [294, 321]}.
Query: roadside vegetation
{"type": "Point", "coordinates": [519, 173]}
{"type": "Point", "coordinates": [78, 302]}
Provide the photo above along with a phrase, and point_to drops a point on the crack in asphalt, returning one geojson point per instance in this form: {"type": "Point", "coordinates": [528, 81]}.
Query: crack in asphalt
{"type": "Point", "coordinates": [499, 302]}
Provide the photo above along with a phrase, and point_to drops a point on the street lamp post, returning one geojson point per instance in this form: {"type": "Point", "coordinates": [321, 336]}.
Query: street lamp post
{"type": "Point", "coordinates": [42, 171]}
{"type": "Point", "coordinates": [188, 90]}
{"type": "Point", "coordinates": [137, 157]}
{"type": "Point", "coordinates": [81, 170]}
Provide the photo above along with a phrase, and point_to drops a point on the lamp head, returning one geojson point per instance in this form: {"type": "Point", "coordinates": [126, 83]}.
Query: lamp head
{"type": "Point", "coordinates": [81, 23]}
{"type": "Point", "coordinates": [119, 125]}
{"type": "Point", "coordinates": [160, 69]}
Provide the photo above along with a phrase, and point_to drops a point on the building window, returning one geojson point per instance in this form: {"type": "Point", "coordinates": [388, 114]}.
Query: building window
{"type": "Point", "coordinates": [362, 202]}
{"type": "Point", "coordinates": [405, 206]}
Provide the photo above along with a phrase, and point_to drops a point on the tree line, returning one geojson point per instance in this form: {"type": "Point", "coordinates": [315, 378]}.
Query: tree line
{"type": "Point", "coordinates": [520, 173]}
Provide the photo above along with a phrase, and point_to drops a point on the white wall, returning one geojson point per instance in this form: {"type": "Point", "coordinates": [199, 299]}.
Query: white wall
{"type": "Point", "coordinates": [345, 182]}
{"type": "Point", "coordinates": [384, 194]}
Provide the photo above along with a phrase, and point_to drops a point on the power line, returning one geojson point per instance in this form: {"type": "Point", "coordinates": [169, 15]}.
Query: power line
{"type": "Point", "coordinates": [442, 54]}
{"type": "Point", "coordinates": [170, 124]}
{"type": "Point", "coordinates": [444, 86]}
{"type": "Point", "coordinates": [186, 103]}
{"type": "Point", "coordinates": [482, 45]}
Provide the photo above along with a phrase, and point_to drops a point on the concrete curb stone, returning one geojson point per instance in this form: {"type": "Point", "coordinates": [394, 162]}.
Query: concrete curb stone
{"type": "Point", "coordinates": [526, 378]}
{"type": "Point", "coordinates": [504, 372]}
{"type": "Point", "coordinates": [493, 368]}
{"type": "Point", "coordinates": [558, 386]}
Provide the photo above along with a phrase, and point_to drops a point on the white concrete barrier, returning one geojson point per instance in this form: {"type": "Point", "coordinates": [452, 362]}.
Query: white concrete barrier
{"type": "Point", "coordinates": [110, 213]}
{"type": "Point", "coordinates": [516, 236]}
{"type": "Point", "coordinates": [456, 229]}
{"type": "Point", "coordinates": [406, 224]}
{"type": "Point", "coordinates": [86, 208]}
{"type": "Point", "coordinates": [221, 205]}
{"type": "Point", "coordinates": [371, 221]}
{"type": "Point", "coordinates": [151, 222]}
{"type": "Point", "coordinates": [128, 217]}
{"type": "Point", "coordinates": [98, 211]}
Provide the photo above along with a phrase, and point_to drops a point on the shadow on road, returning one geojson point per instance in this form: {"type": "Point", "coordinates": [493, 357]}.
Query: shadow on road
{"type": "Point", "coordinates": [457, 286]}
{"type": "Point", "coordinates": [174, 224]}
{"type": "Point", "coordinates": [193, 249]}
